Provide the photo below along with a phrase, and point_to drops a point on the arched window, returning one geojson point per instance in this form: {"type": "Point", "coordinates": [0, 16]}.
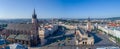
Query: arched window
{"type": "Point", "coordinates": [83, 43]}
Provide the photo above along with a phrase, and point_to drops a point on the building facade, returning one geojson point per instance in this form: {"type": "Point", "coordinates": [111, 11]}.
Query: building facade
{"type": "Point", "coordinates": [82, 38]}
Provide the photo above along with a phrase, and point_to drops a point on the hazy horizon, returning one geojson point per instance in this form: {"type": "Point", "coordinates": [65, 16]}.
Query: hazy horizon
{"type": "Point", "coordinates": [12, 9]}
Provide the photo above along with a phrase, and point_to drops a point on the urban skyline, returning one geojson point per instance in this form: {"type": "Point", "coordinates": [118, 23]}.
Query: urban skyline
{"type": "Point", "coordinates": [59, 24]}
{"type": "Point", "coordinates": [59, 8]}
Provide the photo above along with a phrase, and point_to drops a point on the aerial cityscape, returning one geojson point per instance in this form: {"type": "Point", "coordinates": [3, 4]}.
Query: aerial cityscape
{"type": "Point", "coordinates": [59, 24]}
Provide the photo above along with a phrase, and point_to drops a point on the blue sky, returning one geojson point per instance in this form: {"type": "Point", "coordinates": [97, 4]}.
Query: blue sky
{"type": "Point", "coordinates": [59, 8]}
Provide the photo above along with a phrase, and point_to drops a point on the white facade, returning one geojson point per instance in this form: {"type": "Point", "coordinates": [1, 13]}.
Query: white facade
{"type": "Point", "coordinates": [47, 30]}
{"type": "Point", "coordinates": [110, 31]}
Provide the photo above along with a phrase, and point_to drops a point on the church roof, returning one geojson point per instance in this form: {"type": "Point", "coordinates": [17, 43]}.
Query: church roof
{"type": "Point", "coordinates": [11, 36]}
{"type": "Point", "coordinates": [19, 27]}
{"type": "Point", "coordinates": [20, 37]}
{"type": "Point", "coordinates": [23, 37]}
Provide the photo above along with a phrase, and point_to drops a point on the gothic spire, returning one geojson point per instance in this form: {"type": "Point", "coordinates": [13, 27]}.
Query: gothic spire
{"type": "Point", "coordinates": [34, 11]}
{"type": "Point", "coordinates": [34, 14]}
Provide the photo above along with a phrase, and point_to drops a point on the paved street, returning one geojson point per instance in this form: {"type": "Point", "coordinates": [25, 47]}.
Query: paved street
{"type": "Point", "coordinates": [104, 40]}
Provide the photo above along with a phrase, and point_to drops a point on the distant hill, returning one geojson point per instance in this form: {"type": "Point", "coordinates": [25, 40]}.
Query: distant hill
{"type": "Point", "coordinates": [110, 18]}
{"type": "Point", "coordinates": [114, 18]}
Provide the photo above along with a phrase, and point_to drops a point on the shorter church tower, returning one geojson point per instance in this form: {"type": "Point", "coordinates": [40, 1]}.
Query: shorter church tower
{"type": "Point", "coordinates": [89, 27]}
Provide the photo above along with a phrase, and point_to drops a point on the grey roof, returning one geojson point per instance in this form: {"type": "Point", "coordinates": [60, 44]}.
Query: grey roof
{"type": "Point", "coordinates": [81, 31]}
{"type": "Point", "coordinates": [11, 36]}
{"type": "Point", "coordinates": [23, 37]}
{"type": "Point", "coordinates": [19, 26]}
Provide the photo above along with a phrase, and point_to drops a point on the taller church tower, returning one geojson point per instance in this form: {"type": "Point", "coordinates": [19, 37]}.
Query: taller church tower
{"type": "Point", "coordinates": [34, 31]}
{"type": "Point", "coordinates": [34, 18]}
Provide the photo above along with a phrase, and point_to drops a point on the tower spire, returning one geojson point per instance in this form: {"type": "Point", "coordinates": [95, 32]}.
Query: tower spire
{"type": "Point", "coordinates": [34, 17]}
{"type": "Point", "coordinates": [34, 14]}
{"type": "Point", "coordinates": [34, 11]}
